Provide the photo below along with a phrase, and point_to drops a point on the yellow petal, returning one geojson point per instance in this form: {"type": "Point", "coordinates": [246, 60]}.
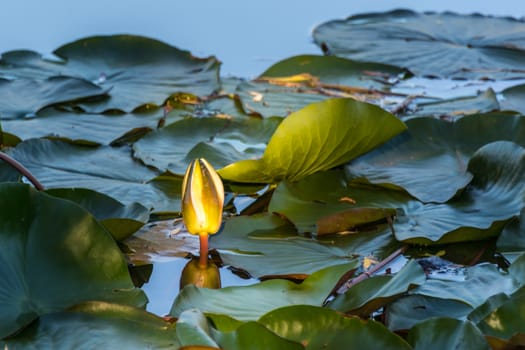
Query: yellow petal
{"type": "Point", "coordinates": [202, 198]}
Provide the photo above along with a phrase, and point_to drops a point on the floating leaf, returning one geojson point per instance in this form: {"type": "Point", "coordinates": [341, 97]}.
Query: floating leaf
{"type": "Point", "coordinates": [512, 98]}
{"type": "Point", "coordinates": [376, 291]}
{"type": "Point", "coordinates": [430, 159]}
{"type": "Point", "coordinates": [97, 325]}
{"type": "Point", "coordinates": [315, 138]}
{"type": "Point", "coordinates": [447, 333]}
{"type": "Point", "coordinates": [251, 302]}
{"type": "Point", "coordinates": [23, 98]}
{"type": "Point", "coordinates": [109, 170]}
{"type": "Point", "coordinates": [318, 328]}
{"type": "Point", "coordinates": [268, 245]}
{"type": "Point", "coordinates": [120, 220]}
{"type": "Point", "coordinates": [89, 128]}
{"type": "Point", "coordinates": [54, 254]}
{"type": "Point", "coordinates": [138, 70]}
{"type": "Point", "coordinates": [435, 44]}
{"type": "Point", "coordinates": [220, 141]}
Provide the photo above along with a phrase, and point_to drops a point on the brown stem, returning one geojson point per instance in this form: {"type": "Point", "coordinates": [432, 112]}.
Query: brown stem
{"type": "Point", "coordinates": [22, 170]}
{"type": "Point", "coordinates": [373, 270]}
{"type": "Point", "coordinates": [203, 253]}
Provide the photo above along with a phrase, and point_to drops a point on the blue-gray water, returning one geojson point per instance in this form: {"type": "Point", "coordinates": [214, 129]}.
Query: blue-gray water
{"type": "Point", "coordinates": [247, 36]}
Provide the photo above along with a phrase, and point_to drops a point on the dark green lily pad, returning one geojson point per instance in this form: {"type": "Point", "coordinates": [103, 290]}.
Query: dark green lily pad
{"type": "Point", "coordinates": [433, 44]}
{"type": "Point", "coordinates": [53, 255]}
{"type": "Point", "coordinates": [318, 328]}
{"type": "Point", "coordinates": [138, 70]}
{"type": "Point", "coordinates": [373, 293]}
{"type": "Point", "coordinates": [120, 220]}
{"type": "Point", "coordinates": [316, 138]}
{"type": "Point", "coordinates": [511, 242]}
{"type": "Point", "coordinates": [251, 302]}
{"type": "Point", "coordinates": [23, 98]}
{"type": "Point", "coordinates": [220, 141]}
{"type": "Point", "coordinates": [430, 159]}
{"type": "Point", "coordinates": [97, 325]}
{"type": "Point", "coordinates": [447, 333]}
{"type": "Point", "coordinates": [89, 128]}
{"type": "Point", "coordinates": [109, 170]}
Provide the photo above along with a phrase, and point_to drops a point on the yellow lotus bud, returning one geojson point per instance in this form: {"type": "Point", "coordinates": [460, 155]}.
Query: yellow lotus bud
{"type": "Point", "coordinates": [202, 198]}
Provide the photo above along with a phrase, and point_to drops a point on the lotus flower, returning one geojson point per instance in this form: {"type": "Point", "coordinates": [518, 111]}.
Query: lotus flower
{"type": "Point", "coordinates": [202, 203]}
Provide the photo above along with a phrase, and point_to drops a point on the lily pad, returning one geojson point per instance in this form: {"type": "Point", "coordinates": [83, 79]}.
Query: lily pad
{"type": "Point", "coordinates": [316, 138]}
{"type": "Point", "coordinates": [138, 70]}
{"type": "Point", "coordinates": [447, 333]}
{"type": "Point", "coordinates": [53, 255]}
{"type": "Point", "coordinates": [513, 97]}
{"type": "Point", "coordinates": [220, 141]}
{"type": "Point", "coordinates": [452, 109]}
{"type": "Point", "coordinates": [430, 159]}
{"type": "Point", "coordinates": [97, 325]}
{"type": "Point", "coordinates": [318, 328]}
{"type": "Point", "coordinates": [109, 170]}
{"type": "Point", "coordinates": [89, 128]}
{"type": "Point", "coordinates": [373, 293]}
{"type": "Point", "coordinates": [431, 44]}
{"type": "Point", "coordinates": [23, 98]}
{"type": "Point", "coordinates": [247, 303]}
{"type": "Point", "coordinates": [266, 245]}
{"type": "Point", "coordinates": [498, 177]}
{"type": "Point", "coordinates": [120, 220]}
{"type": "Point", "coordinates": [335, 70]}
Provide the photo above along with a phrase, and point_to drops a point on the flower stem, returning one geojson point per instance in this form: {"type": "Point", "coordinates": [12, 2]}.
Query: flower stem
{"type": "Point", "coordinates": [22, 170]}
{"type": "Point", "coordinates": [203, 253]}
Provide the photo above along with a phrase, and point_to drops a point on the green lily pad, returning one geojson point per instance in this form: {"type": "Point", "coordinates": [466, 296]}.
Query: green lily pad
{"type": "Point", "coordinates": [316, 328]}
{"type": "Point", "coordinates": [511, 242]}
{"type": "Point", "coordinates": [316, 138]}
{"type": "Point", "coordinates": [220, 141]}
{"type": "Point", "coordinates": [53, 255]}
{"type": "Point", "coordinates": [432, 44]}
{"type": "Point", "coordinates": [266, 245]}
{"type": "Point", "coordinates": [251, 302]}
{"type": "Point", "coordinates": [138, 70]}
{"type": "Point", "coordinates": [23, 98]}
{"type": "Point", "coordinates": [430, 159]}
{"type": "Point", "coordinates": [119, 219]}
{"type": "Point", "coordinates": [109, 170]}
{"type": "Point", "coordinates": [373, 293]}
{"type": "Point", "coordinates": [88, 128]}
{"type": "Point", "coordinates": [447, 333]}
{"type": "Point", "coordinates": [193, 329]}
{"type": "Point", "coordinates": [96, 325]}
{"type": "Point", "coordinates": [252, 335]}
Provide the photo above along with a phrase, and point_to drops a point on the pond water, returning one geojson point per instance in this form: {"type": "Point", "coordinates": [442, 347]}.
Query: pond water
{"type": "Point", "coordinates": [246, 36]}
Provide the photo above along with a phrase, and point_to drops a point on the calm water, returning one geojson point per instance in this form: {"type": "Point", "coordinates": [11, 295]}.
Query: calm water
{"type": "Point", "coordinates": [247, 36]}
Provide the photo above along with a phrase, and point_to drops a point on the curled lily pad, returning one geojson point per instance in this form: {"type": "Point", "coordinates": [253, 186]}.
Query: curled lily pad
{"type": "Point", "coordinates": [318, 137]}
{"type": "Point", "coordinates": [138, 70]}
{"type": "Point", "coordinates": [53, 255]}
{"type": "Point", "coordinates": [435, 44]}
